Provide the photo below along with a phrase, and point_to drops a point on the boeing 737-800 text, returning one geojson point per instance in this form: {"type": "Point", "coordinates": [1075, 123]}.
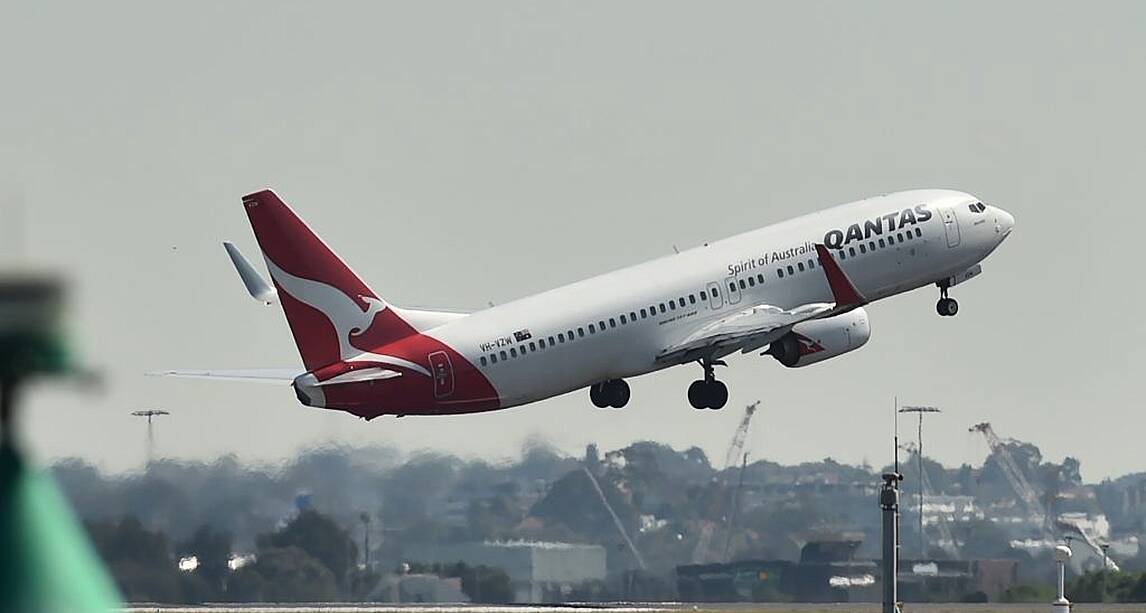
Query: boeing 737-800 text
{"type": "Point", "coordinates": [794, 290]}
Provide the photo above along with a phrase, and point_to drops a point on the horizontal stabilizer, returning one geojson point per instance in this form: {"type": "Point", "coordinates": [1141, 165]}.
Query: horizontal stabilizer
{"type": "Point", "coordinates": [360, 375]}
{"type": "Point", "coordinates": [256, 285]}
{"type": "Point", "coordinates": [276, 376]}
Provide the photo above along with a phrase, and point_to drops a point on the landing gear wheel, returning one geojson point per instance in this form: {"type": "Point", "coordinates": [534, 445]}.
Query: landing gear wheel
{"type": "Point", "coordinates": [598, 396]}
{"type": "Point", "coordinates": [947, 307]}
{"type": "Point", "coordinates": [697, 394]}
{"type": "Point", "coordinates": [618, 393]}
{"type": "Point", "coordinates": [711, 394]}
{"type": "Point", "coordinates": [717, 395]}
{"type": "Point", "coordinates": [708, 393]}
{"type": "Point", "coordinates": [612, 393]}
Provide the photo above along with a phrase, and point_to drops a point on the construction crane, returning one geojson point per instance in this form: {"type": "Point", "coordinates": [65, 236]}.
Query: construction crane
{"type": "Point", "coordinates": [946, 537]}
{"type": "Point", "coordinates": [741, 435]}
{"type": "Point", "coordinates": [732, 516]}
{"type": "Point", "coordinates": [616, 520]}
{"type": "Point", "coordinates": [1014, 474]}
{"type": "Point", "coordinates": [703, 553]}
{"type": "Point", "coordinates": [1030, 497]}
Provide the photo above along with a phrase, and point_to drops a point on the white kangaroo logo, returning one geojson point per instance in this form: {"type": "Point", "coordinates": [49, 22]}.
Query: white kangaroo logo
{"type": "Point", "coordinates": [344, 314]}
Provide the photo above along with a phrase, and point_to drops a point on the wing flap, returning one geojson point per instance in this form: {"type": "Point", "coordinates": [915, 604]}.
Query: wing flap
{"type": "Point", "coordinates": [755, 326]}
{"type": "Point", "coordinates": [749, 329]}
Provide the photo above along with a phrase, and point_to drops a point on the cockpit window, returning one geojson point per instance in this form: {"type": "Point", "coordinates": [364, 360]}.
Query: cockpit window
{"type": "Point", "coordinates": [977, 207]}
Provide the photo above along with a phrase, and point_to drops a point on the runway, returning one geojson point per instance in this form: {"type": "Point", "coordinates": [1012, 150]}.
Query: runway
{"type": "Point", "coordinates": [624, 608]}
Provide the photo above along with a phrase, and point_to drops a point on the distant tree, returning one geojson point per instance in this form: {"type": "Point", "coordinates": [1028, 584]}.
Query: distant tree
{"type": "Point", "coordinates": [195, 589]}
{"type": "Point", "coordinates": [1108, 586]}
{"type": "Point", "coordinates": [284, 574]}
{"type": "Point", "coordinates": [976, 596]}
{"type": "Point", "coordinates": [589, 590]}
{"type": "Point", "coordinates": [319, 537]}
{"type": "Point", "coordinates": [139, 559]}
{"type": "Point", "coordinates": [1071, 471]}
{"type": "Point", "coordinates": [483, 584]}
{"type": "Point", "coordinates": [1029, 593]}
{"type": "Point", "coordinates": [573, 502]}
{"type": "Point", "coordinates": [212, 548]}
{"type": "Point", "coordinates": [493, 518]}
{"type": "Point", "coordinates": [247, 584]}
{"type": "Point", "coordinates": [767, 591]}
{"type": "Point", "coordinates": [982, 540]}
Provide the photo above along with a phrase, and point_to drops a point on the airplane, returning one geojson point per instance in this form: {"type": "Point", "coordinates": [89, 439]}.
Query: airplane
{"type": "Point", "coordinates": [795, 291]}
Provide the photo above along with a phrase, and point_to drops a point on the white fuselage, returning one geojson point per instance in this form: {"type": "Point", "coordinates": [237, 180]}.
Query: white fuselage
{"type": "Point", "coordinates": [554, 342]}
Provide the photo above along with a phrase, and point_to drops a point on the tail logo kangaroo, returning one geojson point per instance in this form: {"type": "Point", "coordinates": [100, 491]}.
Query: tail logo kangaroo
{"type": "Point", "coordinates": [347, 316]}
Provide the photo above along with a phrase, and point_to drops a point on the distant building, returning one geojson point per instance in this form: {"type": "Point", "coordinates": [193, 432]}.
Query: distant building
{"type": "Point", "coordinates": [828, 572]}
{"type": "Point", "coordinates": [419, 588]}
{"type": "Point", "coordinates": [945, 508]}
{"type": "Point", "coordinates": [538, 572]}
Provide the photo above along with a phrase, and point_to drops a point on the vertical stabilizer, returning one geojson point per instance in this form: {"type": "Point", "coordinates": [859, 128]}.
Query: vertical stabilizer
{"type": "Point", "coordinates": [331, 312]}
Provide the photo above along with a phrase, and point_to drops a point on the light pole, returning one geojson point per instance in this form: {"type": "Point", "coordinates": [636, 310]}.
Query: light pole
{"type": "Point", "coordinates": [365, 518]}
{"type": "Point", "coordinates": [149, 414]}
{"type": "Point", "coordinates": [1062, 555]}
{"type": "Point", "coordinates": [920, 410]}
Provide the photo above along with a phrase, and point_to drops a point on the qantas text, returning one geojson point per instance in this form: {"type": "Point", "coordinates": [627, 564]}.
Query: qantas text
{"type": "Point", "coordinates": [871, 227]}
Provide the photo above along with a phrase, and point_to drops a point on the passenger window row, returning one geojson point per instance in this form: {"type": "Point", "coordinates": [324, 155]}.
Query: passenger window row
{"type": "Point", "coordinates": [745, 283]}
{"type": "Point", "coordinates": [712, 293]}
{"type": "Point", "coordinates": [871, 246]}
{"type": "Point", "coordinates": [799, 267]}
{"type": "Point", "coordinates": [600, 326]}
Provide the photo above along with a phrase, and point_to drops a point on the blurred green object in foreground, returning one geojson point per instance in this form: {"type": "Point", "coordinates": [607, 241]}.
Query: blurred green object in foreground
{"type": "Point", "coordinates": [31, 343]}
{"type": "Point", "coordinates": [46, 562]}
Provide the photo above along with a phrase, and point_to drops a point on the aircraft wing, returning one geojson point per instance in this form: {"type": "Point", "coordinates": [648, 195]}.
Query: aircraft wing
{"type": "Point", "coordinates": [753, 327]}
{"type": "Point", "coordinates": [745, 329]}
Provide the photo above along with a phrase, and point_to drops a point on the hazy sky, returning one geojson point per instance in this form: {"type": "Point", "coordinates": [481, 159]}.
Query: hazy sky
{"type": "Point", "coordinates": [459, 153]}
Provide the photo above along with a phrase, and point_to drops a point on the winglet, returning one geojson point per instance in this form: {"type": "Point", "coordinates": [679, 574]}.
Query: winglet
{"type": "Point", "coordinates": [256, 285]}
{"type": "Point", "coordinates": [844, 293]}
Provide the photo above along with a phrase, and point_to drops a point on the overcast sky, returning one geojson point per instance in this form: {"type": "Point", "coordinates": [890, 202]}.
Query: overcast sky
{"type": "Point", "coordinates": [460, 153]}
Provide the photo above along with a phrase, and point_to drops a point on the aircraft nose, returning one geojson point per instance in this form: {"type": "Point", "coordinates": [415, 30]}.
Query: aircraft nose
{"type": "Point", "coordinates": [1004, 222]}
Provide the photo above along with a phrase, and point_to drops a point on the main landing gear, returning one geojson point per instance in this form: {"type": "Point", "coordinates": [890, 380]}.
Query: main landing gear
{"type": "Point", "coordinates": [708, 393]}
{"type": "Point", "coordinates": [946, 307]}
{"type": "Point", "coordinates": [612, 393]}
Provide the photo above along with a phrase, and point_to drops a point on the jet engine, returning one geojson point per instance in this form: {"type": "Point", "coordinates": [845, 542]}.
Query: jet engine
{"type": "Point", "coordinates": [819, 339]}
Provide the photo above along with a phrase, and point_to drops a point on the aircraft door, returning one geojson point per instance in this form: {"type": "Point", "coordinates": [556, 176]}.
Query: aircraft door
{"type": "Point", "coordinates": [733, 293]}
{"type": "Point", "coordinates": [443, 372]}
{"type": "Point", "coordinates": [714, 299]}
{"type": "Point", "coordinates": [951, 225]}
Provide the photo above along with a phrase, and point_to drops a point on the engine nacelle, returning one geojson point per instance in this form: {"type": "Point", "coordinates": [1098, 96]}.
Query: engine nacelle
{"type": "Point", "coordinates": [817, 340]}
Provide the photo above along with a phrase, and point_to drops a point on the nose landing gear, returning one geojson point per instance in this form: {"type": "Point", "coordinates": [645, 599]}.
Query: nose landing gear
{"type": "Point", "coordinates": [708, 393]}
{"type": "Point", "coordinates": [612, 393]}
{"type": "Point", "coordinates": [946, 307]}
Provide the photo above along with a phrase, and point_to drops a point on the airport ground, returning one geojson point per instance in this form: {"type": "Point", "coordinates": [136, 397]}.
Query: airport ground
{"type": "Point", "coordinates": [635, 608]}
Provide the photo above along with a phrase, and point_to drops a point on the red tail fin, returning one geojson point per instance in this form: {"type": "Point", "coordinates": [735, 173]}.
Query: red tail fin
{"type": "Point", "coordinates": [843, 291]}
{"type": "Point", "coordinates": [332, 313]}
